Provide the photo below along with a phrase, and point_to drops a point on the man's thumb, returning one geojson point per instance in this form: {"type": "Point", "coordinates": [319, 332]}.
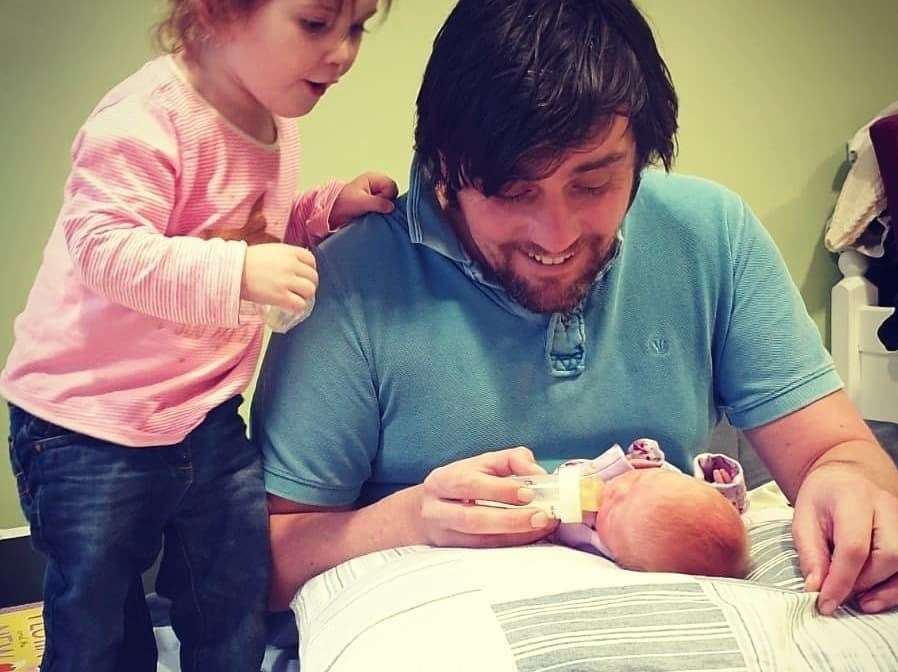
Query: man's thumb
{"type": "Point", "coordinates": [812, 547]}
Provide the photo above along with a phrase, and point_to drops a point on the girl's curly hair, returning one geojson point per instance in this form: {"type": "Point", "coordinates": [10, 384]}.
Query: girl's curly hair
{"type": "Point", "coordinates": [187, 23]}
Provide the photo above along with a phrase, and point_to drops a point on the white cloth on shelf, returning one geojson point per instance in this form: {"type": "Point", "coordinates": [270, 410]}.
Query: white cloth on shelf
{"type": "Point", "coordinates": [862, 198]}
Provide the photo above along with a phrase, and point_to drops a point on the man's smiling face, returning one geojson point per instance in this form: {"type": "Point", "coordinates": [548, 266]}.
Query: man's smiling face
{"type": "Point", "coordinates": [547, 238]}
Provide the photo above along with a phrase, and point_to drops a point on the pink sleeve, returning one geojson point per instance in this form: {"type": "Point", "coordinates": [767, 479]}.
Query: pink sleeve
{"type": "Point", "coordinates": [309, 220]}
{"type": "Point", "coordinates": [119, 201]}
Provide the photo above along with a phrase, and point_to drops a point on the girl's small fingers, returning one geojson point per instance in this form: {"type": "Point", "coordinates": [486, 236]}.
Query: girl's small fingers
{"type": "Point", "coordinates": [304, 256]}
{"type": "Point", "coordinates": [303, 288]}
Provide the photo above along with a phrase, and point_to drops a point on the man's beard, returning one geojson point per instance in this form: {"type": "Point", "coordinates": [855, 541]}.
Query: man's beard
{"type": "Point", "coordinates": [547, 296]}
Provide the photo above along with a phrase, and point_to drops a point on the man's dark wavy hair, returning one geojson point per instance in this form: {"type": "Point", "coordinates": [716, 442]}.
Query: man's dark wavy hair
{"type": "Point", "coordinates": [513, 85]}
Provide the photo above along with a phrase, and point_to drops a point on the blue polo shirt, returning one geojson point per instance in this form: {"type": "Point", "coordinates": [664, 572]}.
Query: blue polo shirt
{"type": "Point", "coordinates": [413, 358]}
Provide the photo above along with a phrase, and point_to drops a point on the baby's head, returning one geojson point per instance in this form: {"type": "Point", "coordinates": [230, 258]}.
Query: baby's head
{"type": "Point", "coordinates": [284, 54]}
{"type": "Point", "coordinates": [658, 520]}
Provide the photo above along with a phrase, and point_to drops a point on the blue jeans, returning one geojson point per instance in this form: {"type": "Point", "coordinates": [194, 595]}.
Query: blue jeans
{"type": "Point", "coordinates": [100, 512]}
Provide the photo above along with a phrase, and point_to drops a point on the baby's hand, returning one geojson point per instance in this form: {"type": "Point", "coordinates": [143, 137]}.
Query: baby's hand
{"type": "Point", "coordinates": [721, 476]}
{"type": "Point", "coordinates": [369, 192]}
{"type": "Point", "coordinates": [280, 275]}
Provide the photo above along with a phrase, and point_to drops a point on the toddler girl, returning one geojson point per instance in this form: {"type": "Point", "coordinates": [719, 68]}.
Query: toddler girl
{"type": "Point", "coordinates": [144, 326]}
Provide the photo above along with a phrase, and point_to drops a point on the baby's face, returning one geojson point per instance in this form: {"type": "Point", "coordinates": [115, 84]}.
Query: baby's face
{"type": "Point", "coordinates": [631, 497]}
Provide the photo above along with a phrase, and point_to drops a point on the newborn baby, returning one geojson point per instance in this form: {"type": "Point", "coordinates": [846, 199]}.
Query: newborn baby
{"type": "Point", "coordinates": [651, 517]}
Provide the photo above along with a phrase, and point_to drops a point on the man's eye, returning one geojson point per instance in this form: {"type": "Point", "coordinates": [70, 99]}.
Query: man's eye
{"type": "Point", "coordinates": [515, 196]}
{"type": "Point", "coordinates": [593, 190]}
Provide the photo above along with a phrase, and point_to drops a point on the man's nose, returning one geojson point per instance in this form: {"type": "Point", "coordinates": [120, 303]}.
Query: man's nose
{"type": "Point", "coordinates": [555, 228]}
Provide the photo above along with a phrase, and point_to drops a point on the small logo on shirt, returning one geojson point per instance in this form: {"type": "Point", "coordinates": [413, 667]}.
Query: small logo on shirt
{"type": "Point", "coordinates": [658, 345]}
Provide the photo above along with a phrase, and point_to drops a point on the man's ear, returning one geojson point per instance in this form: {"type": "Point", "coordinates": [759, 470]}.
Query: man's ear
{"type": "Point", "coordinates": [439, 190]}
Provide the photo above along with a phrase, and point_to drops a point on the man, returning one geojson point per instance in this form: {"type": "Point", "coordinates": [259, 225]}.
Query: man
{"type": "Point", "coordinates": [538, 288]}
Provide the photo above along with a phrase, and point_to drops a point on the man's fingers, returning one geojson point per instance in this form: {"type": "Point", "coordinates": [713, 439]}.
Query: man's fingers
{"type": "Point", "coordinates": [881, 597]}
{"type": "Point", "coordinates": [468, 485]}
{"type": "Point", "coordinates": [482, 477]}
{"type": "Point", "coordinates": [883, 561]}
{"type": "Point", "coordinates": [851, 535]}
{"type": "Point", "coordinates": [812, 546]}
{"type": "Point", "coordinates": [520, 462]}
{"type": "Point", "coordinates": [484, 520]}
{"type": "Point", "coordinates": [501, 540]}
{"type": "Point", "coordinates": [452, 490]}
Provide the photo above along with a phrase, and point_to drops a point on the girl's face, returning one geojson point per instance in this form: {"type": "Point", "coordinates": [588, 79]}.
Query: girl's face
{"type": "Point", "coordinates": [287, 53]}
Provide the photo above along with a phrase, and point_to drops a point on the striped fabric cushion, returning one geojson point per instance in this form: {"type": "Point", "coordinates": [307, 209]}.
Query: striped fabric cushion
{"type": "Point", "coordinates": [548, 608]}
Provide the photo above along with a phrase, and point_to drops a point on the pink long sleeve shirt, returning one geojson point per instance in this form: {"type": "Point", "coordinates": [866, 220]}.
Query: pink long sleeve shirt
{"type": "Point", "coordinates": [134, 328]}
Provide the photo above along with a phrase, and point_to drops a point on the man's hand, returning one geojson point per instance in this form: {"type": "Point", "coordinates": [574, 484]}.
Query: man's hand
{"type": "Point", "coordinates": [369, 192]}
{"type": "Point", "coordinates": [448, 516]}
{"type": "Point", "coordinates": [845, 490]}
{"type": "Point", "coordinates": [846, 533]}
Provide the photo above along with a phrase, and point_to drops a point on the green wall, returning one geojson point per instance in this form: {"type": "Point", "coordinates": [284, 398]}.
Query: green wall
{"type": "Point", "coordinates": [770, 91]}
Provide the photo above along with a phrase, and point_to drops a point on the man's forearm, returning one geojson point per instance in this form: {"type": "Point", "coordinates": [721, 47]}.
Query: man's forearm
{"type": "Point", "coordinates": [825, 434]}
{"type": "Point", "coordinates": [306, 544]}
